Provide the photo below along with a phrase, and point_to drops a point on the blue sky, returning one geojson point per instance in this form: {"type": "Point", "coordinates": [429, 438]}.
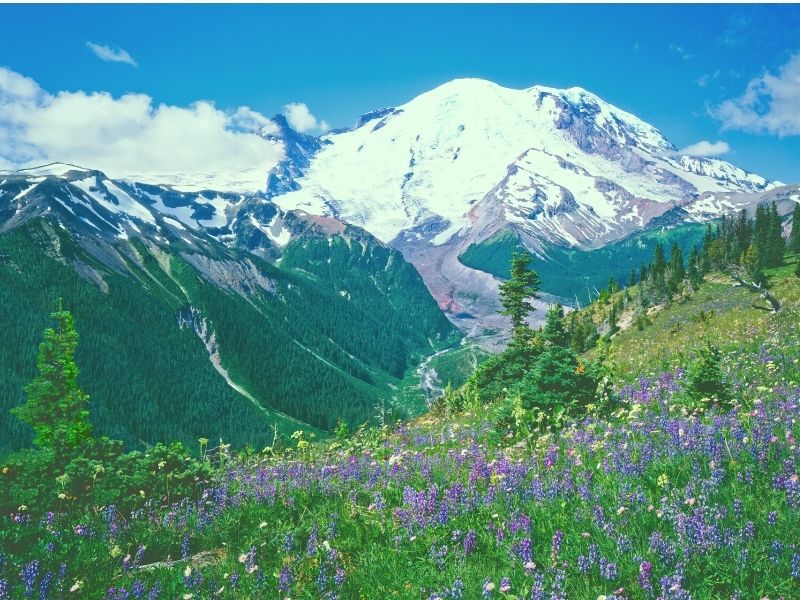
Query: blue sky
{"type": "Point", "coordinates": [683, 68]}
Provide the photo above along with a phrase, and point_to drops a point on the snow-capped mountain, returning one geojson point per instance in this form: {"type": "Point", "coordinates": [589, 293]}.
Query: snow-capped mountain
{"type": "Point", "coordinates": [471, 159]}
{"type": "Point", "coordinates": [456, 166]}
{"type": "Point", "coordinates": [563, 166]}
{"type": "Point", "coordinates": [105, 210]}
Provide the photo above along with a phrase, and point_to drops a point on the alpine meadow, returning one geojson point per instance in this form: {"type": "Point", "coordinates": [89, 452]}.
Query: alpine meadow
{"type": "Point", "coordinates": [453, 335]}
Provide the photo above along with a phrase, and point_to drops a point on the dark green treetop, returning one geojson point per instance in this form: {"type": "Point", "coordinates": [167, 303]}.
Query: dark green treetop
{"type": "Point", "coordinates": [56, 408]}
{"type": "Point", "coordinates": [516, 293]}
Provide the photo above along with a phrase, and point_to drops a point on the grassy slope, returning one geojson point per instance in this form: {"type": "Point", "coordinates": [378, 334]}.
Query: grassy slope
{"type": "Point", "coordinates": [719, 312]}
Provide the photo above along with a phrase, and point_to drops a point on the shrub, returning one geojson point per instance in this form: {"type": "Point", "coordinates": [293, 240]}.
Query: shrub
{"type": "Point", "coordinates": [704, 378]}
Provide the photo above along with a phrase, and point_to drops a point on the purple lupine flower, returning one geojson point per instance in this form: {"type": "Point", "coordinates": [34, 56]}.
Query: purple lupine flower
{"type": "Point", "coordinates": [137, 561]}
{"type": "Point", "coordinates": [44, 586]}
{"type": "Point", "coordinates": [558, 538]}
{"type": "Point", "coordinates": [776, 551]}
{"type": "Point", "coordinates": [185, 547]}
{"type": "Point", "coordinates": [137, 589]}
{"type": "Point", "coordinates": [469, 542]}
{"type": "Point", "coordinates": [4, 589]}
{"type": "Point", "coordinates": [537, 590]}
{"type": "Point", "coordinates": [796, 565]}
{"type": "Point", "coordinates": [608, 569]}
{"type": "Point", "coordinates": [645, 572]}
{"type": "Point", "coordinates": [285, 579]}
{"type": "Point", "coordinates": [505, 585]}
{"type": "Point", "coordinates": [29, 574]}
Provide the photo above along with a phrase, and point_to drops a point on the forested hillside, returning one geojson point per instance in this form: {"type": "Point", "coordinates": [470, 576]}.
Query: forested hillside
{"type": "Point", "coordinates": [304, 349]}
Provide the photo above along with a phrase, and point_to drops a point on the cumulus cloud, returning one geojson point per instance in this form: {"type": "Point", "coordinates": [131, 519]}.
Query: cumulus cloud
{"type": "Point", "coordinates": [706, 148]}
{"type": "Point", "coordinates": [195, 146]}
{"type": "Point", "coordinates": [770, 103]}
{"type": "Point", "coordinates": [301, 119]}
{"type": "Point", "coordinates": [108, 54]}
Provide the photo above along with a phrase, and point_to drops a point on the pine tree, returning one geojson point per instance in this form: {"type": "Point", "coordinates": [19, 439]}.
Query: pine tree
{"type": "Point", "coordinates": [677, 272]}
{"type": "Point", "coordinates": [776, 245]}
{"type": "Point", "coordinates": [56, 408]}
{"type": "Point", "coordinates": [708, 241]}
{"type": "Point", "coordinates": [794, 236]}
{"type": "Point", "coordinates": [754, 264]}
{"type": "Point", "coordinates": [553, 330]}
{"type": "Point", "coordinates": [694, 270]}
{"type": "Point", "coordinates": [659, 264]}
{"type": "Point", "coordinates": [514, 295]}
{"type": "Point", "coordinates": [632, 278]}
{"type": "Point", "coordinates": [761, 231]}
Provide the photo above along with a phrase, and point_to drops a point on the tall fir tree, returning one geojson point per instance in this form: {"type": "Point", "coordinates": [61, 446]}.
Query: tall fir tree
{"type": "Point", "coordinates": [515, 294]}
{"type": "Point", "coordinates": [694, 271]}
{"type": "Point", "coordinates": [659, 264]}
{"type": "Point", "coordinates": [753, 263]}
{"type": "Point", "coordinates": [794, 236]}
{"type": "Point", "coordinates": [776, 245]}
{"type": "Point", "coordinates": [553, 330]}
{"type": "Point", "coordinates": [677, 272]}
{"type": "Point", "coordinates": [56, 408]}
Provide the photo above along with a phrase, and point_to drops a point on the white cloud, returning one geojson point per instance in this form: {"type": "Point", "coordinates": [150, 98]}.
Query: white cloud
{"type": "Point", "coordinates": [706, 148]}
{"type": "Point", "coordinates": [301, 119]}
{"type": "Point", "coordinates": [109, 54]}
{"type": "Point", "coordinates": [680, 51]}
{"type": "Point", "coordinates": [195, 146]}
{"type": "Point", "coordinates": [769, 104]}
{"type": "Point", "coordinates": [704, 80]}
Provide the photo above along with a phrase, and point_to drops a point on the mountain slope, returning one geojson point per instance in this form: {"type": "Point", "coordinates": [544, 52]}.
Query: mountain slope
{"type": "Point", "coordinates": [196, 338]}
{"type": "Point", "coordinates": [469, 160]}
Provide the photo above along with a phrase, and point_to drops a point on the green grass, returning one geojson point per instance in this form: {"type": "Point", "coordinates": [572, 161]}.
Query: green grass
{"type": "Point", "coordinates": [718, 312]}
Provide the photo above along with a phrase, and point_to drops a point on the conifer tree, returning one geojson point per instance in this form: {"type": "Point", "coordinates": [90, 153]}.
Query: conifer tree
{"type": "Point", "coordinates": [553, 330]}
{"type": "Point", "coordinates": [708, 241]}
{"type": "Point", "coordinates": [694, 271]}
{"type": "Point", "coordinates": [775, 242]}
{"type": "Point", "coordinates": [659, 264]}
{"type": "Point", "coordinates": [515, 294]}
{"type": "Point", "coordinates": [677, 272]}
{"type": "Point", "coordinates": [56, 408]}
{"type": "Point", "coordinates": [754, 264]}
{"type": "Point", "coordinates": [794, 236]}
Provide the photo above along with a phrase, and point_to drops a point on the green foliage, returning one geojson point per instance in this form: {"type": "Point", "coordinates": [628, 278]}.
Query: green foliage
{"type": "Point", "coordinates": [573, 273]}
{"type": "Point", "coordinates": [56, 408]}
{"type": "Point", "coordinates": [515, 296]}
{"type": "Point", "coordinates": [794, 236]}
{"type": "Point", "coordinates": [704, 378]}
{"type": "Point", "coordinates": [101, 475]}
{"type": "Point", "coordinates": [753, 263]}
{"type": "Point", "coordinates": [557, 380]}
{"type": "Point", "coordinates": [497, 374]}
